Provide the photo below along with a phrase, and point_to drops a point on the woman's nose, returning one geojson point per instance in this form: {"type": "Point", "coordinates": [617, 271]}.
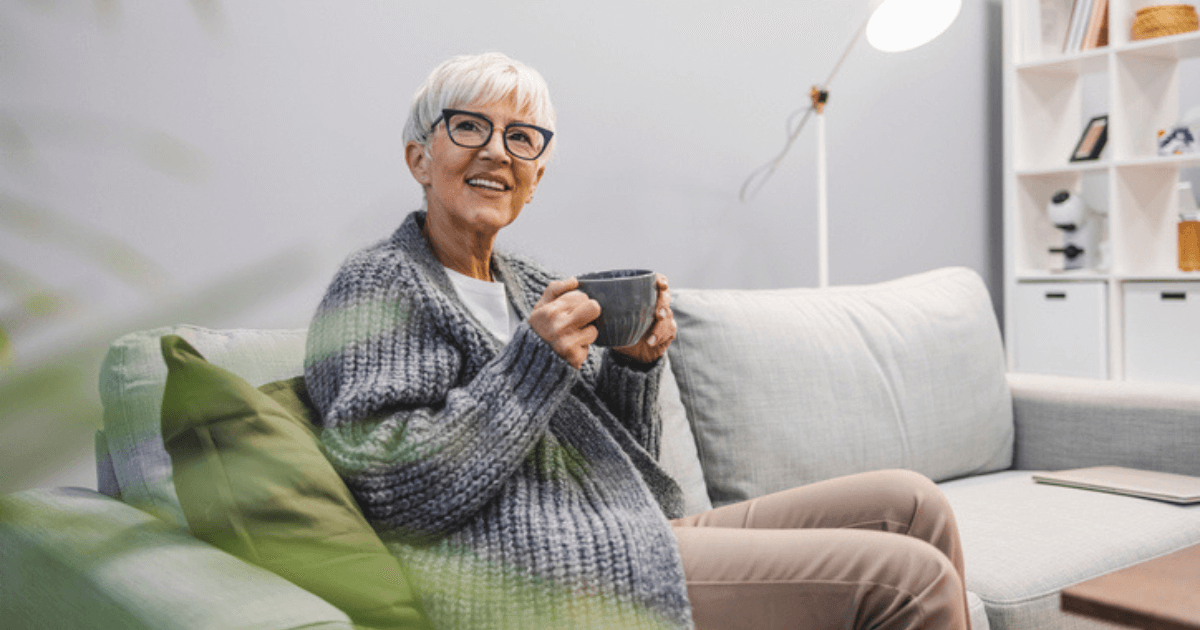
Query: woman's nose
{"type": "Point", "coordinates": [494, 149]}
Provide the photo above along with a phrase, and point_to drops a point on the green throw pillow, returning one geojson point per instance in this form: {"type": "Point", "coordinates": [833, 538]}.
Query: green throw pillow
{"type": "Point", "coordinates": [253, 482]}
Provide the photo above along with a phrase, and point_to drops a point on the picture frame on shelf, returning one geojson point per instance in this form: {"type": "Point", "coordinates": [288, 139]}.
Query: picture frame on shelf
{"type": "Point", "coordinates": [1092, 140]}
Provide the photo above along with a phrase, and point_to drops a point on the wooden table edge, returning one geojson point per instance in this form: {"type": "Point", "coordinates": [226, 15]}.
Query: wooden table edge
{"type": "Point", "coordinates": [1084, 599]}
{"type": "Point", "coordinates": [1072, 603]}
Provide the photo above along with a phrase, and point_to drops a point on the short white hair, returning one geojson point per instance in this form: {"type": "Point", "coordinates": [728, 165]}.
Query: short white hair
{"type": "Point", "coordinates": [489, 77]}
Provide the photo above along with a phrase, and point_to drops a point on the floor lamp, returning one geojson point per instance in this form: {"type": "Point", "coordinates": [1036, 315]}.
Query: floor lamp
{"type": "Point", "coordinates": [891, 26]}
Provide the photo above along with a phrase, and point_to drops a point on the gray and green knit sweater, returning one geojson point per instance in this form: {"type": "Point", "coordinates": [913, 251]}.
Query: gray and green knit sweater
{"type": "Point", "coordinates": [518, 491]}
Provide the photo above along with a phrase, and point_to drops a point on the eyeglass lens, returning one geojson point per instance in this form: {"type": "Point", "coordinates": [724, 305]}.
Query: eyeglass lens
{"type": "Point", "coordinates": [473, 131]}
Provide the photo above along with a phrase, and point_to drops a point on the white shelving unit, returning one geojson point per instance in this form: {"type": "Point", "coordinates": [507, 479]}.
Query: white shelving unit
{"type": "Point", "coordinates": [1054, 319]}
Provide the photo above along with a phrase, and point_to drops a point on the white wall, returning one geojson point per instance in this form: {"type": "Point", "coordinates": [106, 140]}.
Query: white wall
{"type": "Point", "coordinates": [243, 148]}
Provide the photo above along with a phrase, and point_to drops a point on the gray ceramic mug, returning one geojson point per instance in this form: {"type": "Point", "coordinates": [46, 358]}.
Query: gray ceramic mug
{"type": "Point", "coordinates": [627, 298]}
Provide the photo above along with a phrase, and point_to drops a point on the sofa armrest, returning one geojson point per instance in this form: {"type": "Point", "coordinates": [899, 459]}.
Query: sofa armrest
{"type": "Point", "coordinates": [74, 558]}
{"type": "Point", "coordinates": [1066, 422]}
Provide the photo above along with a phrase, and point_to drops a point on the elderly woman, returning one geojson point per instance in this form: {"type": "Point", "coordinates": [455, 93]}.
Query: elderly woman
{"type": "Point", "coordinates": [511, 465]}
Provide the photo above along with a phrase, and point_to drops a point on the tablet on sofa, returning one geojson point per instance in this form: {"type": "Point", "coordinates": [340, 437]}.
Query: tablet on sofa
{"type": "Point", "coordinates": [1138, 483]}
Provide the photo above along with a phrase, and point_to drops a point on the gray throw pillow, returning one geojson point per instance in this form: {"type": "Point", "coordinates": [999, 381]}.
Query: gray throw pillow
{"type": "Point", "coordinates": [787, 387]}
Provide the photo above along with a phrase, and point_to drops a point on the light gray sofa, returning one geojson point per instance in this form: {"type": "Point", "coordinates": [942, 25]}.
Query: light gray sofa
{"type": "Point", "coordinates": [767, 390]}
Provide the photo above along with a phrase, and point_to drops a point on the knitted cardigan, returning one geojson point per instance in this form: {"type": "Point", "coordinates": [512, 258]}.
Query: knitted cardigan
{"type": "Point", "coordinates": [518, 491]}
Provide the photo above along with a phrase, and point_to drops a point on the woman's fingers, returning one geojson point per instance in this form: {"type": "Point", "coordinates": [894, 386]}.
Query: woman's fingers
{"type": "Point", "coordinates": [662, 333]}
{"type": "Point", "coordinates": [557, 288]}
{"type": "Point", "coordinates": [575, 338]}
{"type": "Point", "coordinates": [563, 319]}
{"type": "Point", "coordinates": [655, 342]}
{"type": "Point", "coordinates": [588, 336]}
{"type": "Point", "coordinates": [581, 309]}
{"type": "Point", "coordinates": [664, 327]}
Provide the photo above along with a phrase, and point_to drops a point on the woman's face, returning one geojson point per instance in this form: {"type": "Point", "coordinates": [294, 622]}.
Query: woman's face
{"type": "Point", "coordinates": [479, 189]}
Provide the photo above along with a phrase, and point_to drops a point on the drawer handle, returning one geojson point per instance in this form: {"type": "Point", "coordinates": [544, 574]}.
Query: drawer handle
{"type": "Point", "coordinates": [1058, 296]}
{"type": "Point", "coordinates": [1174, 296]}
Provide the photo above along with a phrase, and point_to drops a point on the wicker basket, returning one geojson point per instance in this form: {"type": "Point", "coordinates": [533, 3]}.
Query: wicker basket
{"type": "Point", "coordinates": [1163, 20]}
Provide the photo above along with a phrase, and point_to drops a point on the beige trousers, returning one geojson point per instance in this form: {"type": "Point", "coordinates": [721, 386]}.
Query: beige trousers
{"type": "Point", "coordinates": [873, 550]}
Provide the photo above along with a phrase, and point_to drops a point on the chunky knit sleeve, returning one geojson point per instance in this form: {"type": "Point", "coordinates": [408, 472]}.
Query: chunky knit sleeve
{"type": "Point", "coordinates": [631, 392]}
{"type": "Point", "coordinates": [421, 451]}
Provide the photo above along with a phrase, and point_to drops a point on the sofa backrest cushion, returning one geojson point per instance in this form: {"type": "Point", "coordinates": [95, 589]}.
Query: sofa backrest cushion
{"type": "Point", "coordinates": [252, 481]}
{"type": "Point", "coordinates": [131, 389]}
{"type": "Point", "coordinates": [792, 386]}
{"type": "Point", "coordinates": [678, 455]}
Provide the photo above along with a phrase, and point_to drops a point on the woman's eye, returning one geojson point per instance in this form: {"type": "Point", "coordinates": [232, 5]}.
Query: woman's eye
{"type": "Point", "coordinates": [466, 125]}
{"type": "Point", "coordinates": [519, 136]}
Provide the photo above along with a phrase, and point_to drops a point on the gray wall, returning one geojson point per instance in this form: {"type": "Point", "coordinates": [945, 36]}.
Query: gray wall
{"type": "Point", "coordinates": [212, 161]}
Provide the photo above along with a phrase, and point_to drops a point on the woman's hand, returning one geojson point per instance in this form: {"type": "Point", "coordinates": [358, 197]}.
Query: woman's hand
{"type": "Point", "coordinates": [655, 342]}
{"type": "Point", "coordinates": [563, 318]}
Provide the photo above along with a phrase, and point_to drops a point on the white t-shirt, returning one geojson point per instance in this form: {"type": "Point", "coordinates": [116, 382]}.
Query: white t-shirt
{"type": "Point", "coordinates": [488, 302]}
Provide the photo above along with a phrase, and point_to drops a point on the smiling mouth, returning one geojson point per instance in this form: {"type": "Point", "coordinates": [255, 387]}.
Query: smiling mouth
{"type": "Point", "coordinates": [487, 184]}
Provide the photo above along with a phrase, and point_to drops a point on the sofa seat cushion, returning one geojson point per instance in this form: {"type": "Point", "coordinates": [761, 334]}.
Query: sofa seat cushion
{"type": "Point", "coordinates": [792, 386]}
{"type": "Point", "coordinates": [977, 611]}
{"type": "Point", "coordinates": [74, 558]}
{"type": "Point", "coordinates": [1024, 542]}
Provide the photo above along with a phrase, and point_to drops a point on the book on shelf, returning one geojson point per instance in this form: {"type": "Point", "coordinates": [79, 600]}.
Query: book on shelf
{"type": "Point", "coordinates": [1096, 35]}
{"type": "Point", "coordinates": [1048, 19]}
{"type": "Point", "coordinates": [1087, 27]}
{"type": "Point", "coordinates": [1080, 13]}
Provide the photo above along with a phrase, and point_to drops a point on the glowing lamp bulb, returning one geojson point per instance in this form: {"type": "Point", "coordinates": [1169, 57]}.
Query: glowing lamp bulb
{"type": "Point", "coordinates": [899, 25]}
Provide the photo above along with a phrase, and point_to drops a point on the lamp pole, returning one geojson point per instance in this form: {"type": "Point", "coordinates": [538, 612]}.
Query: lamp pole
{"type": "Point", "coordinates": [820, 96]}
{"type": "Point", "coordinates": [895, 30]}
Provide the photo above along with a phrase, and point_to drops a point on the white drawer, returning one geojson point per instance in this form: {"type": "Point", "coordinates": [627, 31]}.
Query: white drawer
{"type": "Point", "coordinates": [1061, 328]}
{"type": "Point", "coordinates": [1162, 332]}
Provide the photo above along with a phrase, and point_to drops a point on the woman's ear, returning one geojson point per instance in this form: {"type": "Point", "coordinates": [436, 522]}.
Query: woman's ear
{"type": "Point", "coordinates": [418, 162]}
{"type": "Point", "coordinates": [541, 171]}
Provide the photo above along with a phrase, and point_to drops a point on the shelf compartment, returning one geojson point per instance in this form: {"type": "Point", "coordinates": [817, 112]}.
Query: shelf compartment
{"type": "Point", "coordinates": [1061, 328]}
{"type": "Point", "coordinates": [1049, 117]}
{"type": "Point", "coordinates": [1147, 221]}
{"type": "Point", "coordinates": [1035, 234]}
{"type": "Point", "coordinates": [1034, 231]}
{"type": "Point", "coordinates": [1162, 332]}
{"type": "Point", "coordinates": [1147, 101]}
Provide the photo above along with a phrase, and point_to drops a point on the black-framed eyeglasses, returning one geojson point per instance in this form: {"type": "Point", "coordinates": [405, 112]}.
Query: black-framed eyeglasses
{"type": "Point", "coordinates": [472, 130]}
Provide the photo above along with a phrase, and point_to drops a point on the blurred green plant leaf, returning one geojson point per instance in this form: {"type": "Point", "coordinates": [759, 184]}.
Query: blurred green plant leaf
{"type": "Point", "coordinates": [41, 223]}
{"type": "Point", "coordinates": [6, 350]}
{"type": "Point", "coordinates": [49, 411]}
{"type": "Point", "coordinates": [36, 304]}
{"type": "Point", "coordinates": [50, 408]}
{"type": "Point", "coordinates": [22, 132]}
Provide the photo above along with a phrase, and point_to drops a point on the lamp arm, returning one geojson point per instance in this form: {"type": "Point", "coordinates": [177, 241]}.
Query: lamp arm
{"type": "Point", "coordinates": [845, 53]}
{"type": "Point", "coordinates": [764, 172]}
